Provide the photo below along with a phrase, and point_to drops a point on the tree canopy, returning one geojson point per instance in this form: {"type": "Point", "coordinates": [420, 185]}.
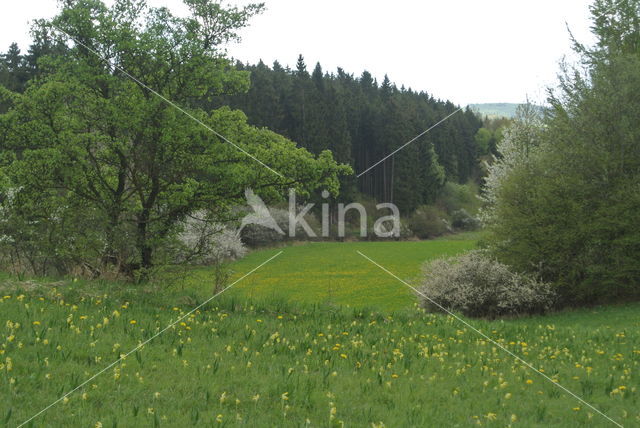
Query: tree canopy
{"type": "Point", "coordinates": [568, 209]}
{"type": "Point", "coordinates": [96, 166]}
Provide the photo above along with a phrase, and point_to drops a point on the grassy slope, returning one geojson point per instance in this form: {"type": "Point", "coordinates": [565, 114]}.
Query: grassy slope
{"type": "Point", "coordinates": [335, 273]}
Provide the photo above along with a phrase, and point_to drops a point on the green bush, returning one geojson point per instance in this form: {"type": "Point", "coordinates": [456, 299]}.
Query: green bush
{"type": "Point", "coordinates": [429, 222]}
{"type": "Point", "coordinates": [479, 286]}
{"type": "Point", "coordinates": [454, 197]}
{"type": "Point", "coordinates": [461, 219]}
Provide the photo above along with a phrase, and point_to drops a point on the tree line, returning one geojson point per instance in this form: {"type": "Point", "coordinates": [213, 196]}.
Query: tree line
{"type": "Point", "coordinates": [361, 121]}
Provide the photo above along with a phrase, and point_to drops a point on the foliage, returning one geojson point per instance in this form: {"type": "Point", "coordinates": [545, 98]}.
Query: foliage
{"type": "Point", "coordinates": [454, 197]}
{"type": "Point", "coordinates": [568, 210]}
{"type": "Point", "coordinates": [479, 286]}
{"type": "Point", "coordinates": [520, 141]}
{"type": "Point", "coordinates": [205, 241]}
{"type": "Point", "coordinates": [361, 121]}
{"type": "Point", "coordinates": [429, 222]}
{"type": "Point", "coordinates": [461, 219]}
{"type": "Point", "coordinates": [84, 139]}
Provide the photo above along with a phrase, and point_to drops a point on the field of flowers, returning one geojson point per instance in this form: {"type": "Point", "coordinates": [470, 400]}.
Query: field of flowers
{"type": "Point", "coordinates": [237, 363]}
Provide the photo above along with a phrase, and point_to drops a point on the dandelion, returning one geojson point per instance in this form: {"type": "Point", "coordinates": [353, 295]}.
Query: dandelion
{"type": "Point", "coordinates": [219, 419]}
{"type": "Point", "coordinates": [65, 400]}
{"type": "Point", "coordinates": [36, 323]}
{"type": "Point", "coordinates": [529, 382]}
{"type": "Point", "coordinates": [132, 322]}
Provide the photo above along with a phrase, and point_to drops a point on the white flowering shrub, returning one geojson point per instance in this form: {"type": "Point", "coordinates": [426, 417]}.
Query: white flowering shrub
{"type": "Point", "coordinates": [204, 241]}
{"type": "Point", "coordinates": [520, 141]}
{"type": "Point", "coordinates": [480, 286]}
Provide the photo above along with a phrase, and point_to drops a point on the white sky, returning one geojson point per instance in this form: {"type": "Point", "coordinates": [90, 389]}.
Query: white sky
{"type": "Point", "coordinates": [468, 51]}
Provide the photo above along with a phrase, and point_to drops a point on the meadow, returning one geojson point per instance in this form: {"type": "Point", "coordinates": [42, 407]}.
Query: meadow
{"type": "Point", "coordinates": [257, 357]}
{"type": "Point", "coordinates": [334, 273]}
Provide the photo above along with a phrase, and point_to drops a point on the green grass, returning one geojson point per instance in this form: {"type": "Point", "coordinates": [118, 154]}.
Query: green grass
{"type": "Point", "coordinates": [334, 273]}
{"type": "Point", "coordinates": [282, 349]}
{"type": "Point", "coordinates": [278, 364]}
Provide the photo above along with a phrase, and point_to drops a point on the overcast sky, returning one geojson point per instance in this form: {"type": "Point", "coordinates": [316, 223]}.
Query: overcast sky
{"type": "Point", "coordinates": [468, 51]}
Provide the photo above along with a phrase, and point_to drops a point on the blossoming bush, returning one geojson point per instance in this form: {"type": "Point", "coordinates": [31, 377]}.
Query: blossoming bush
{"type": "Point", "coordinates": [203, 241]}
{"type": "Point", "coordinates": [480, 286]}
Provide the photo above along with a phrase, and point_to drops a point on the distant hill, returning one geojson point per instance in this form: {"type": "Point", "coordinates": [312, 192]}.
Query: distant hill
{"type": "Point", "coordinates": [495, 109]}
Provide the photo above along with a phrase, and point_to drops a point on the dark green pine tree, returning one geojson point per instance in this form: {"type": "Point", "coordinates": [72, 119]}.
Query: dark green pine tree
{"type": "Point", "coordinates": [14, 70]}
{"type": "Point", "coordinates": [361, 122]}
{"type": "Point", "coordinates": [296, 104]}
{"type": "Point", "coordinates": [318, 118]}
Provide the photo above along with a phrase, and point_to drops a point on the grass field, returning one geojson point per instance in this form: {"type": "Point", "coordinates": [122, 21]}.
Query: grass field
{"type": "Point", "coordinates": [334, 273]}
{"type": "Point", "coordinates": [268, 362]}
